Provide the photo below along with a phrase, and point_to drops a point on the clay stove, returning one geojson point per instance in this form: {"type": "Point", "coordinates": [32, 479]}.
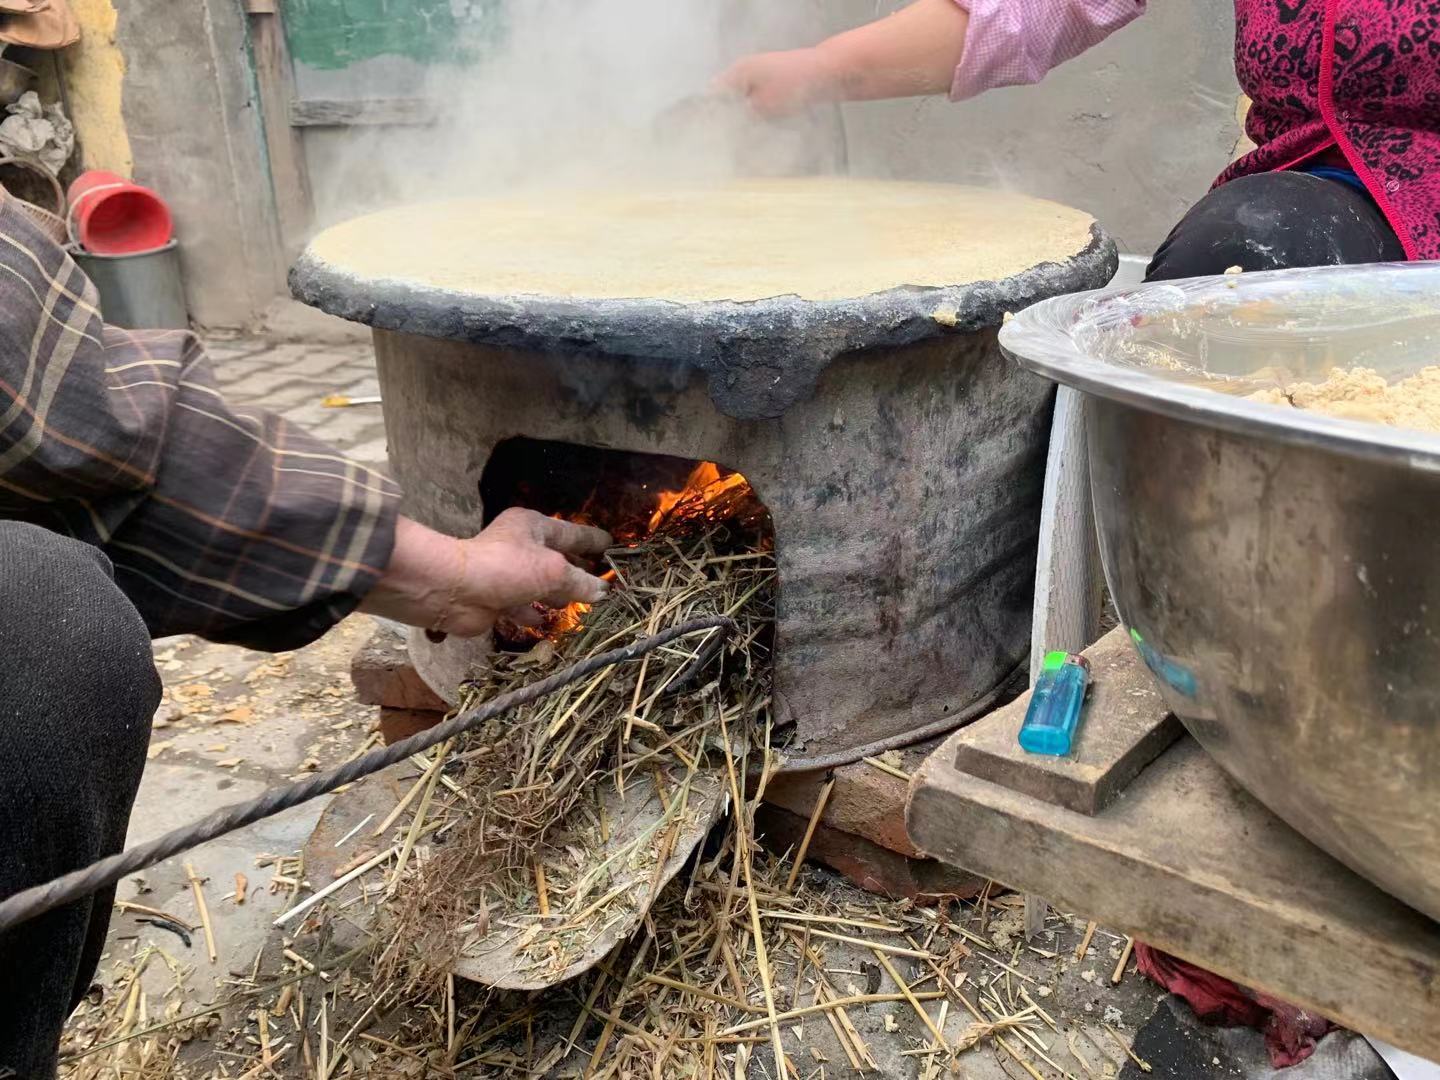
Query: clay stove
{"type": "Point", "coordinates": [899, 454]}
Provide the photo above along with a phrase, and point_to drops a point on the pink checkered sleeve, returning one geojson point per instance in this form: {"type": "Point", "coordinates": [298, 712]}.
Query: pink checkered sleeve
{"type": "Point", "coordinates": [1010, 42]}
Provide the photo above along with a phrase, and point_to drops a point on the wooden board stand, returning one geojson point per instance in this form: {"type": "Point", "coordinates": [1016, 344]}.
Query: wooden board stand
{"type": "Point", "coordinates": [1179, 856]}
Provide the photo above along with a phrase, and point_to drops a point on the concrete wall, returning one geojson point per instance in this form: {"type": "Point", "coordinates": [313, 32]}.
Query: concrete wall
{"type": "Point", "coordinates": [1133, 131]}
{"type": "Point", "coordinates": [163, 91]}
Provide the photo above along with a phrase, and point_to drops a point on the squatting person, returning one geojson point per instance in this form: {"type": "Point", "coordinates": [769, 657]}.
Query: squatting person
{"type": "Point", "coordinates": [135, 503]}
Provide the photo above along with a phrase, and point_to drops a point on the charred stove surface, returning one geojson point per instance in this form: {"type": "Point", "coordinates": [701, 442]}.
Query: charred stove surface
{"type": "Point", "coordinates": [899, 455]}
{"type": "Point", "coordinates": [904, 496]}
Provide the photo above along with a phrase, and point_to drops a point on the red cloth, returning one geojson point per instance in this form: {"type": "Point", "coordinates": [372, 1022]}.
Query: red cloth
{"type": "Point", "coordinates": [1290, 1032]}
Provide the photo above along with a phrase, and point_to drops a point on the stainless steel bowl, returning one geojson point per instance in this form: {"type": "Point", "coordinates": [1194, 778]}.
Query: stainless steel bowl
{"type": "Point", "coordinates": [1281, 567]}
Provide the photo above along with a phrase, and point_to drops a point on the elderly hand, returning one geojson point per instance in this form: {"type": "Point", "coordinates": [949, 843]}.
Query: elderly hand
{"type": "Point", "coordinates": [777, 84]}
{"type": "Point", "coordinates": [462, 586]}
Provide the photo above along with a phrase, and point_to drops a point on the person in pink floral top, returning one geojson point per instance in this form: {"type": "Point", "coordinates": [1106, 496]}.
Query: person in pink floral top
{"type": "Point", "coordinates": [1345, 113]}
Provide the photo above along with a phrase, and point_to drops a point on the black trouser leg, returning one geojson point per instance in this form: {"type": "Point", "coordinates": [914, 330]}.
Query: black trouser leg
{"type": "Point", "coordinates": [78, 688]}
{"type": "Point", "coordinates": [1276, 221]}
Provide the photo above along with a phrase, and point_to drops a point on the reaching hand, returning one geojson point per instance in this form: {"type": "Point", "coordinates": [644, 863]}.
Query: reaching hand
{"type": "Point", "coordinates": [462, 586]}
{"type": "Point", "coordinates": [910, 52]}
{"type": "Point", "coordinates": [778, 84]}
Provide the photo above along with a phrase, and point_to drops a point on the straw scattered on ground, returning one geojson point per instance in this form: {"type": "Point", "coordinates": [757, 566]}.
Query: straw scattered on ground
{"type": "Point", "coordinates": [505, 830]}
{"type": "Point", "coordinates": [532, 845]}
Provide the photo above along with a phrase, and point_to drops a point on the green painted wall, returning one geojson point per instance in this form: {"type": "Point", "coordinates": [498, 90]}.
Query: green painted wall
{"type": "Point", "coordinates": [333, 34]}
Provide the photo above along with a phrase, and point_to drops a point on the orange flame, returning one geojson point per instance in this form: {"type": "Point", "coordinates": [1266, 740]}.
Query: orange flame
{"type": "Point", "coordinates": [566, 619]}
{"type": "Point", "coordinates": [706, 495]}
{"type": "Point", "coordinates": [704, 488]}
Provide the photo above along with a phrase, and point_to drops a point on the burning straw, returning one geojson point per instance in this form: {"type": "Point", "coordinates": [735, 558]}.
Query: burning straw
{"type": "Point", "coordinates": [536, 856]}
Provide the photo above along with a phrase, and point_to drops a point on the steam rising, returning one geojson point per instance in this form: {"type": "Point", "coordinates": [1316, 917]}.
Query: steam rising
{"type": "Point", "coordinates": [590, 93]}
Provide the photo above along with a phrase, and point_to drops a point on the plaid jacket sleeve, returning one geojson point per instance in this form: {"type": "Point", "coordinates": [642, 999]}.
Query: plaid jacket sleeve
{"type": "Point", "coordinates": [224, 522]}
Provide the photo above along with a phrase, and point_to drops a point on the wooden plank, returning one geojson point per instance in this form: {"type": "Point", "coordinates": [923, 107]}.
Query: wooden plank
{"type": "Point", "coordinates": [1125, 726]}
{"type": "Point", "coordinates": [288, 173]}
{"type": "Point", "coordinates": [363, 112]}
{"type": "Point", "coordinates": [1189, 862]}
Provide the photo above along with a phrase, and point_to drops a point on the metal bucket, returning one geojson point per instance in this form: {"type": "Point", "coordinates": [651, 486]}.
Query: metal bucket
{"type": "Point", "coordinates": [1281, 566]}
{"type": "Point", "coordinates": [141, 291]}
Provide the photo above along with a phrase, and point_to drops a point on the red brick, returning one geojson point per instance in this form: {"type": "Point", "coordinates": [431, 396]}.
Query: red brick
{"type": "Point", "coordinates": [866, 802]}
{"type": "Point", "coordinates": [868, 865]}
{"type": "Point", "coordinates": [383, 675]}
{"type": "Point", "coordinates": [397, 724]}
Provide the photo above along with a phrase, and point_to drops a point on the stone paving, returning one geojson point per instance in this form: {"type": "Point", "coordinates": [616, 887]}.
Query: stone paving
{"type": "Point", "coordinates": [294, 379]}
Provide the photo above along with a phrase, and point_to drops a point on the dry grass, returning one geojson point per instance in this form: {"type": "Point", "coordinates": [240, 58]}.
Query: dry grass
{"type": "Point", "coordinates": [533, 845]}
{"type": "Point", "coordinates": [144, 1031]}
{"type": "Point", "coordinates": [508, 830]}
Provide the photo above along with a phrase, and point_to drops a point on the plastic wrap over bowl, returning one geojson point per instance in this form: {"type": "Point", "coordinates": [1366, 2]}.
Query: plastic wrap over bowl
{"type": "Point", "coordinates": [1279, 568]}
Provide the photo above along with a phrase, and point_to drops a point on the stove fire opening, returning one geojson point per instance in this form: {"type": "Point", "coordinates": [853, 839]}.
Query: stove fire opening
{"type": "Point", "coordinates": [699, 520]}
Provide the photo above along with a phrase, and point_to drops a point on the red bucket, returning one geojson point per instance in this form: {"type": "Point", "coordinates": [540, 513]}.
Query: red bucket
{"type": "Point", "coordinates": [111, 216]}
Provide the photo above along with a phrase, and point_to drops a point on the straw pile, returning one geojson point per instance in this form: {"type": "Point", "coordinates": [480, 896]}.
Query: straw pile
{"type": "Point", "coordinates": [537, 864]}
{"type": "Point", "coordinates": [508, 833]}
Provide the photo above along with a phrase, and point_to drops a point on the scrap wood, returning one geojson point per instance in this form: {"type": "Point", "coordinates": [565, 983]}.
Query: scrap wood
{"type": "Point", "coordinates": [351, 834]}
{"type": "Point", "coordinates": [196, 888]}
{"type": "Point", "coordinates": [810, 827]}
{"type": "Point", "coordinates": [531, 803]}
{"type": "Point", "coordinates": [406, 799]}
{"type": "Point", "coordinates": [1124, 959]}
{"type": "Point", "coordinates": [879, 947]}
{"type": "Point", "coordinates": [692, 997]}
{"type": "Point", "coordinates": [1015, 1056]}
{"type": "Point", "coordinates": [157, 913]}
{"type": "Point", "coordinates": [1027, 1037]}
{"type": "Point", "coordinates": [178, 929]}
{"type": "Point", "coordinates": [804, 917]}
{"type": "Point", "coordinates": [836, 1003]}
{"type": "Point", "coordinates": [431, 777]}
{"type": "Point", "coordinates": [888, 769]}
{"type": "Point", "coordinates": [932, 1063]}
{"type": "Point", "coordinates": [910, 997]}
{"type": "Point", "coordinates": [862, 1048]}
{"type": "Point", "coordinates": [699, 992]}
{"type": "Point", "coordinates": [743, 856]}
{"type": "Point", "coordinates": [1049, 1020]}
{"type": "Point", "coordinates": [335, 886]}
{"type": "Point", "coordinates": [953, 989]}
{"type": "Point", "coordinates": [842, 1031]}
{"type": "Point", "coordinates": [115, 1034]}
{"type": "Point", "coordinates": [1070, 1041]}
{"type": "Point", "coordinates": [1084, 945]}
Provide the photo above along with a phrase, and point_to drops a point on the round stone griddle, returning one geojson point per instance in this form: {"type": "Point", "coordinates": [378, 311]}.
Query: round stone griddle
{"type": "Point", "coordinates": [760, 353]}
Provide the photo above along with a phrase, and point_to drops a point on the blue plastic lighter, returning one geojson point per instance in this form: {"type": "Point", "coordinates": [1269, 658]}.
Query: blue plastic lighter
{"type": "Point", "coordinates": [1056, 705]}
